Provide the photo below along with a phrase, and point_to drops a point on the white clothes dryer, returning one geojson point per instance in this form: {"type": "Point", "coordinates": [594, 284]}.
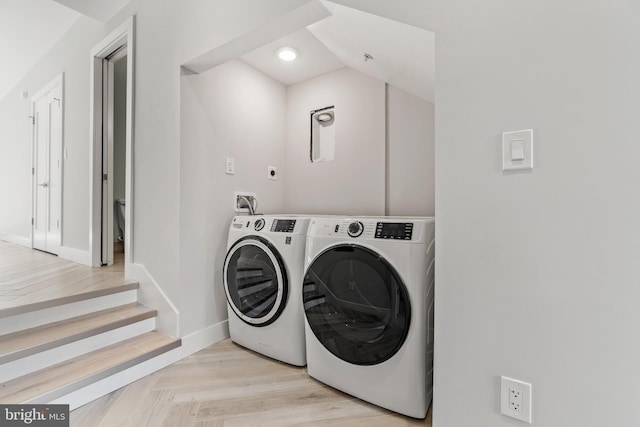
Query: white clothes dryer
{"type": "Point", "coordinates": [368, 303]}
{"type": "Point", "coordinates": [263, 273]}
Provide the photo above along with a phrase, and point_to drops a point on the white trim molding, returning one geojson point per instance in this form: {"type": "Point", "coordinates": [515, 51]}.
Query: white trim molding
{"type": "Point", "coordinates": [14, 238]}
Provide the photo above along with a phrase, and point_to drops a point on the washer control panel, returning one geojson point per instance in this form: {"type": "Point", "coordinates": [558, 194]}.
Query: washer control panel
{"type": "Point", "coordinates": [256, 223]}
{"type": "Point", "coordinates": [394, 230]}
{"type": "Point", "coordinates": [283, 225]}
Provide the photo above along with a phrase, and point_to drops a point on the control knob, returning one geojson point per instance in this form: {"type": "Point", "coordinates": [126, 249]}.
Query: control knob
{"type": "Point", "coordinates": [355, 229]}
{"type": "Point", "coordinates": [259, 224]}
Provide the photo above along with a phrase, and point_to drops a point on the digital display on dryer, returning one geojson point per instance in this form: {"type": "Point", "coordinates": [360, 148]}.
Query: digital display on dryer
{"type": "Point", "coordinates": [394, 230]}
{"type": "Point", "coordinates": [283, 225]}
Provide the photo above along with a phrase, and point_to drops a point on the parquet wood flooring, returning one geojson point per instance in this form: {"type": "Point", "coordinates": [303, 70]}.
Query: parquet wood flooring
{"type": "Point", "coordinates": [227, 385]}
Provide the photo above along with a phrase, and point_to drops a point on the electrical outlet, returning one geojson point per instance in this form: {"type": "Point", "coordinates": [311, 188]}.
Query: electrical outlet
{"type": "Point", "coordinates": [515, 399]}
{"type": "Point", "coordinates": [271, 172]}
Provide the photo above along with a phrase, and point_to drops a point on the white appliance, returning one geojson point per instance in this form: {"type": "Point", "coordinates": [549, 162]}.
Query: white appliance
{"type": "Point", "coordinates": [368, 303]}
{"type": "Point", "coordinates": [263, 273]}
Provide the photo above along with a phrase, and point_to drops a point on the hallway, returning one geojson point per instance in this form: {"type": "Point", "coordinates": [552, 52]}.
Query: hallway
{"type": "Point", "coordinates": [32, 280]}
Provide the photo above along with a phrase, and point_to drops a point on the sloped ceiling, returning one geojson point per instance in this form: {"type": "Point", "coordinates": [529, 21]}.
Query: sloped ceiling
{"type": "Point", "coordinates": [100, 10]}
{"type": "Point", "coordinates": [403, 55]}
{"type": "Point", "coordinates": [28, 30]}
{"type": "Point", "coordinates": [314, 58]}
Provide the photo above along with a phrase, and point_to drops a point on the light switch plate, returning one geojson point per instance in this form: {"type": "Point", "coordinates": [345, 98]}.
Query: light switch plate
{"type": "Point", "coordinates": [230, 166]}
{"type": "Point", "coordinates": [517, 150]}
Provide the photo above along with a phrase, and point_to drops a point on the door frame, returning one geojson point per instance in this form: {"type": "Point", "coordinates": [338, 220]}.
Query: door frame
{"type": "Point", "coordinates": [123, 35]}
{"type": "Point", "coordinates": [58, 80]}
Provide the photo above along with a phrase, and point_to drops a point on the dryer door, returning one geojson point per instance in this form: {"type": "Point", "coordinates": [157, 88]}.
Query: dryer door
{"type": "Point", "coordinates": [356, 304]}
{"type": "Point", "coordinates": [255, 281]}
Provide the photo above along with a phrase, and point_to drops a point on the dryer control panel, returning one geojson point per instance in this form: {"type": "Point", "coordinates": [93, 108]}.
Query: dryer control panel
{"type": "Point", "coordinates": [394, 230]}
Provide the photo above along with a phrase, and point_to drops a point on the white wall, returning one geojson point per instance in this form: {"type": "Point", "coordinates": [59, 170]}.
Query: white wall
{"type": "Point", "coordinates": [167, 36]}
{"type": "Point", "coordinates": [410, 154]}
{"type": "Point", "coordinates": [70, 55]}
{"type": "Point", "coordinates": [536, 273]}
{"type": "Point", "coordinates": [354, 182]}
{"type": "Point", "coordinates": [15, 168]}
{"type": "Point", "coordinates": [236, 111]}
{"type": "Point", "coordinates": [232, 111]}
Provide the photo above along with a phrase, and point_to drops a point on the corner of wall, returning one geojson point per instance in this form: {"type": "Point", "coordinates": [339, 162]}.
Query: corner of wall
{"type": "Point", "coordinates": [14, 238]}
{"type": "Point", "coordinates": [76, 255]}
{"type": "Point", "coordinates": [151, 295]}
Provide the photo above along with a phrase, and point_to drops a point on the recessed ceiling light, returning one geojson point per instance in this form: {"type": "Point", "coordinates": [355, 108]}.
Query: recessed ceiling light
{"type": "Point", "coordinates": [287, 53]}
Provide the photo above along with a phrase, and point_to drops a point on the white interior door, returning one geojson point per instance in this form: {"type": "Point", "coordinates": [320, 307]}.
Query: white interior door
{"type": "Point", "coordinates": [107, 163]}
{"type": "Point", "coordinates": [108, 132]}
{"type": "Point", "coordinates": [47, 147]}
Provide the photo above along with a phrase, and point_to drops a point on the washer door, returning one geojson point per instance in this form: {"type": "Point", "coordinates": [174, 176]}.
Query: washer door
{"type": "Point", "coordinates": [356, 304]}
{"type": "Point", "coordinates": [255, 281]}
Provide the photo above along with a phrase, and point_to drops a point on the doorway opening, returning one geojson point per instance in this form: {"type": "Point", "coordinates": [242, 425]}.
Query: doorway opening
{"type": "Point", "coordinates": [114, 196]}
{"type": "Point", "coordinates": [111, 149]}
{"type": "Point", "coordinates": [46, 167]}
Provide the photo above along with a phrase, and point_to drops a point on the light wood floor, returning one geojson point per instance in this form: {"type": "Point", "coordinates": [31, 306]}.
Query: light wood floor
{"type": "Point", "coordinates": [223, 385]}
{"type": "Point", "coordinates": [29, 276]}
{"type": "Point", "coordinates": [226, 385]}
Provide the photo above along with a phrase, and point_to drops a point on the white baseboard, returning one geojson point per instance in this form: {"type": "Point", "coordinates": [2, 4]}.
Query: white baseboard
{"type": "Point", "coordinates": [14, 238]}
{"type": "Point", "coordinates": [191, 343]}
{"type": "Point", "coordinates": [151, 295]}
{"type": "Point", "coordinates": [76, 255]}
{"type": "Point", "coordinates": [203, 338]}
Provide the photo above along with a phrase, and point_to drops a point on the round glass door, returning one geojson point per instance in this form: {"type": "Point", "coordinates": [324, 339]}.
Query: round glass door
{"type": "Point", "coordinates": [255, 281]}
{"type": "Point", "coordinates": [356, 304]}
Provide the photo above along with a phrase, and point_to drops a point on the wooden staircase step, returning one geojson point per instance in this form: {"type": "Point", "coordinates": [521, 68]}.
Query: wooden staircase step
{"type": "Point", "coordinates": [30, 341]}
{"type": "Point", "coordinates": [59, 380]}
{"type": "Point", "coordinates": [90, 287]}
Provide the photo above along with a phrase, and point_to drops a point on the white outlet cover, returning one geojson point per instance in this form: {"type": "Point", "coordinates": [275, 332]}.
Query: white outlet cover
{"type": "Point", "coordinates": [517, 150]}
{"type": "Point", "coordinates": [273, 176]}
{"type": "Point", "coordinates": [506, 385]}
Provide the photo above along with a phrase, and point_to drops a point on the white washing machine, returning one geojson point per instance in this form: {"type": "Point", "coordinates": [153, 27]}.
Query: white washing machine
{"type": "Point", "coordinates": [368, 303]}
{"type": "Point", "coordinates": [263, 273]}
